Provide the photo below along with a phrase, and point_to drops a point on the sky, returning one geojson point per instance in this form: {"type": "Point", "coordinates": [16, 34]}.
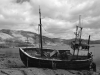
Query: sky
{"type": "Point", "coordinates": [59, 17]}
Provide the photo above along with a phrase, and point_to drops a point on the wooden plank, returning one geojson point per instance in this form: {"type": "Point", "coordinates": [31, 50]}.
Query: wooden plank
{"type": "Point", "coordinates": [53, 53]}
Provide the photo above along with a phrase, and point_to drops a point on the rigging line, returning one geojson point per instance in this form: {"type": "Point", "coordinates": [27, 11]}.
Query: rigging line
{"type": "Point", "coordinates": [44, 29]}
{"type": "Point", "coordinates": [49, 32]}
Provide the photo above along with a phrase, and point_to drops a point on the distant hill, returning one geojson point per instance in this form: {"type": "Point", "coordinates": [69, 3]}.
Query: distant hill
{"type": "Point", "coordinates": [14, 38]}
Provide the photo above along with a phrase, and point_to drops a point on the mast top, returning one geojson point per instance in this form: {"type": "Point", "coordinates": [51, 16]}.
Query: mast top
{"type": "Point", "coordinates": [39, 12]}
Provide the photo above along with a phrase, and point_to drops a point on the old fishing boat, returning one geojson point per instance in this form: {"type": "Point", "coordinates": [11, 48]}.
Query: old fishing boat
{"type": "Point", "coordinates": [80, 59]}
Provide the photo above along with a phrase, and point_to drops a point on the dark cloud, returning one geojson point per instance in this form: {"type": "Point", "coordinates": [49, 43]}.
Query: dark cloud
{"type": "Point", "coordinates": [21, 1]}
{"type": "Point", "coordinates": [59, 17]}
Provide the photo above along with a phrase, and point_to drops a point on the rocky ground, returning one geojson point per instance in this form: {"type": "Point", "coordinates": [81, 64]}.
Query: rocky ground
{"type": "Point", "coordinates": [14, 66]}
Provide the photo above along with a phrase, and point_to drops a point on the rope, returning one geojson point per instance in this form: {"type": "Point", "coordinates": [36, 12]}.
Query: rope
{"type": "Point", "coordinates": [49, 32]}
{"type": "Point", "coordinates": [45, 30]}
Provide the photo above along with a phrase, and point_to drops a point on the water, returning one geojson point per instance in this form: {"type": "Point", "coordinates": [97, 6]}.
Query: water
{"type": "Point", "coordinates": [96, 53]}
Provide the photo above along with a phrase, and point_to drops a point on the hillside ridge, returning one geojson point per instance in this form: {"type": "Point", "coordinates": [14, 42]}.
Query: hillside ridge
{"type": "Point", "coordinates": [19, 38]}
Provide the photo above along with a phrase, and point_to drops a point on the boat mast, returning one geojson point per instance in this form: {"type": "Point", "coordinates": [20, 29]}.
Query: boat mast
{"type": "Point", "coordinates": [78, 31]}
{"type": "Point", "coordinates": [41, 47]}
{"type": "Point", "coordinates": [88, 43]}
{"type": "Point", "coordinates": [80, 34]}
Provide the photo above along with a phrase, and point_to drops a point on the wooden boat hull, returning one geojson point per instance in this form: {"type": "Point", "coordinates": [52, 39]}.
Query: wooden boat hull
{"type": "Point", "coordinates": [31, 61]}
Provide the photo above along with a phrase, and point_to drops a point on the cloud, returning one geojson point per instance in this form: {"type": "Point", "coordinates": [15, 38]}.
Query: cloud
{"type": "Point", "coordinates": [59, 17]}
{"type": "Point", "coordinates": [12, 13]}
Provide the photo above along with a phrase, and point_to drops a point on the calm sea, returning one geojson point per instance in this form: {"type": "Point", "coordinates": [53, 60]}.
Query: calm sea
{"type": "Point", "coordinates": [96, 53]}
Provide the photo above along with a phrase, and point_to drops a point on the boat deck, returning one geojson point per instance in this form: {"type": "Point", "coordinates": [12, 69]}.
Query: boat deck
{"type": "Point", "coordinates": [54, 54]}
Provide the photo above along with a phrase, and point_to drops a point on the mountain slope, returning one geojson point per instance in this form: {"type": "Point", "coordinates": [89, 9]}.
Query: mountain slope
{"type": "Point", "coordinates": [14, 38]}
{"type": "Point", "coordinates": [23, 38]}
